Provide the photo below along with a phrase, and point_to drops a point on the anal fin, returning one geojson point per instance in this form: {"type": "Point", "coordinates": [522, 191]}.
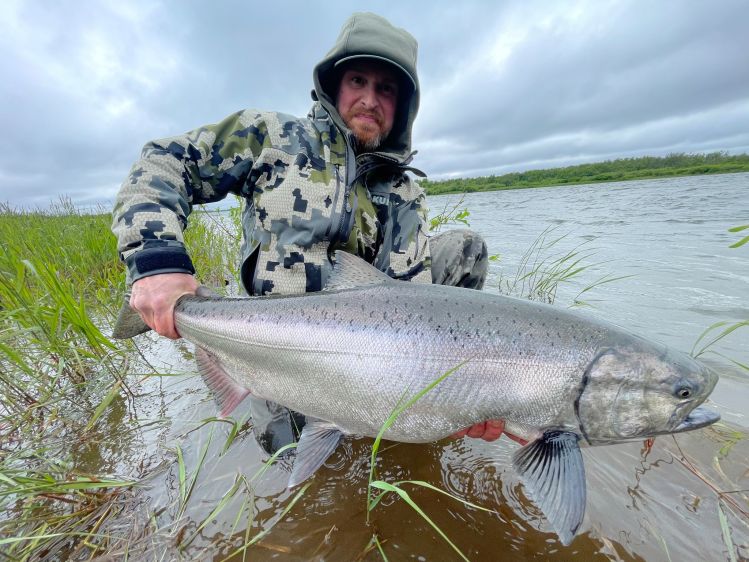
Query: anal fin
{"type": "Point", "coordinates": [553, 472]}
{"type": "Point", "coordinates": [226, 390]}
{"type": "Point", "coordinates": [316, 443]}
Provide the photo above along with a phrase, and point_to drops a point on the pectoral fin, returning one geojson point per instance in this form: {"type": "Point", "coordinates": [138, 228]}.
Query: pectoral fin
{"type": "Point", "coordinates": [554, 475]}
{"type": "Point", "coordinates": [318, 441]}
{"type": "Point", "coordinates": [226, 391]}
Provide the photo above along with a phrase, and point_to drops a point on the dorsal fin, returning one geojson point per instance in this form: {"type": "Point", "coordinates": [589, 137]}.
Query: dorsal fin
{"type": "Point", "coordinates": [350, 271]}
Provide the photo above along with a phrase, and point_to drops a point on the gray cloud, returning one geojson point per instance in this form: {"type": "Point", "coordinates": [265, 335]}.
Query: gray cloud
{"type": "Point", "coordinates": [509, 87]}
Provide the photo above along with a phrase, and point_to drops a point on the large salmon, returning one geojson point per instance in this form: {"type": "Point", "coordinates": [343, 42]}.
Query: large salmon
{"type": "Point", "coordinates": [346, 357]}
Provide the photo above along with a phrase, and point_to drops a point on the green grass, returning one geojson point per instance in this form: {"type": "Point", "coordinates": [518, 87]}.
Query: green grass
{"type": "Point", "coordinates": [61, 285]}
{"type": "Point", "coordinates": [542, 270]}
{"type": "Point", "coordinates": [722, 329]}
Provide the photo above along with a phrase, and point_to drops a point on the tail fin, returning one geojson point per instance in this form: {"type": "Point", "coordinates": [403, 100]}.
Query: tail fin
{"type": "Point", "coordinates": [129, 323]}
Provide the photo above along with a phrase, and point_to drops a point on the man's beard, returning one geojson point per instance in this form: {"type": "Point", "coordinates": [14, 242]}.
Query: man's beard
{"type": "Point", "coordinates": [366, 139]}
{"type": "Point", "coordinates": [370, 144]}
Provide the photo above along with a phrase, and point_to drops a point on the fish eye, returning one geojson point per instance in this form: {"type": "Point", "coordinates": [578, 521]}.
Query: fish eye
{"type": "Point", "coordinates": [684, 392]}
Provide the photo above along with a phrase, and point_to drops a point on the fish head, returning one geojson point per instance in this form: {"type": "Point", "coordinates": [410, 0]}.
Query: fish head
{"type": "Point", "coordinates": [641, 391]}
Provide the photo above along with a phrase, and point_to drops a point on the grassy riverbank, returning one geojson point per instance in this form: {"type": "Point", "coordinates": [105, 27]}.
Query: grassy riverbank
{"type": "Point", "coordinates": [63, 383]}
{"type": "Point", "coordinates": [626, 169]}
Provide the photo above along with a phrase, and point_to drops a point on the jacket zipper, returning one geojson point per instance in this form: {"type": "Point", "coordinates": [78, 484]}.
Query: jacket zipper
{"type": "Point", "coordinates": [343, 231]}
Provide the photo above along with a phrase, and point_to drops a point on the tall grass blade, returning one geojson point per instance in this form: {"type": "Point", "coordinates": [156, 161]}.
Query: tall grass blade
{"type": "Point", "coordinates": [397, 411]}
{"type": "Point", "coordinates": [743, 240]}
{"type": "Point", "coordinates": [404, 495]}
{"type": "Point", "coordinates": [379, 548]}
{"type": "Point", "coordinates": [443, 492]}
{"type": "Point", "coordinates": [225, 499]}
{"type": "Point", "coordinates": [186, 490]}
{"type": "Point", "coordinates": [181, 475]}
{"type": "Point", "coordinates": [103, 405]}
{"type": "Point", "coordinates": [727, 539]}
{"type": "Point", "coordinates": [729, 328]}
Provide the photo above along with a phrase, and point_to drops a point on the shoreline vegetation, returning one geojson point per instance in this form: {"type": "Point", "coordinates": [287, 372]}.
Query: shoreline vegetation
{"type": "Point", "coordinates": [624, 169]}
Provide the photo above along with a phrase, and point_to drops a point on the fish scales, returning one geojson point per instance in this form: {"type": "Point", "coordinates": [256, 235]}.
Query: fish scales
{"type": "Point", "coordinates": [360, 349]}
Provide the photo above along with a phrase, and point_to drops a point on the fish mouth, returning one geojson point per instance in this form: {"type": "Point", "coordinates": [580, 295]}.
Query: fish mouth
{"type": "Point", "coordinates": [697, 418]}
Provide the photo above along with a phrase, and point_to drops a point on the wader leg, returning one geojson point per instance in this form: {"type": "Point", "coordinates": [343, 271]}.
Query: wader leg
{"type": "Point", "coordinates": [459, 259]}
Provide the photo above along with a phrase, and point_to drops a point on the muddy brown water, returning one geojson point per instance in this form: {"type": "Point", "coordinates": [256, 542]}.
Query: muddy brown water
{"type": "Point", "coordinates": [664, 502]}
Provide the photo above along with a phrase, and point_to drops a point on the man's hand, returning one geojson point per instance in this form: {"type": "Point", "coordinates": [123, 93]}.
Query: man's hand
{"type": "Point", "coordinates": [154, 298]}
{"type": "Point", "coordinates": [490, 430]}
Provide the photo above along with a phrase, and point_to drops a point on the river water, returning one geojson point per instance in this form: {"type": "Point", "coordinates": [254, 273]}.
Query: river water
{"type": "Point", "coordinates": [682, 499]}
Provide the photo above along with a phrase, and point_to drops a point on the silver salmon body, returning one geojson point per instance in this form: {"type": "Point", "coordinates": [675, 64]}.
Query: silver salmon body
{"type": "Point", "coordinates": [346, 357]}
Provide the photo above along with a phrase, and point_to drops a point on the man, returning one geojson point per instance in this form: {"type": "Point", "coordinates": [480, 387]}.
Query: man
{"type": "Point", "coordinates": [335, 180]}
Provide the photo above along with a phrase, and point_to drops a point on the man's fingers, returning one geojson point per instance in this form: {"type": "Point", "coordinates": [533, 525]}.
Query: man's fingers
{"type": "Point", "coordinates": [154, 298]}
{"type": "Point", "coordinates": [147, 317]}
{"type": "Point", "coordinates": [490, 430]}
{"type": "Point", "coordinates": [165, 325]}
{"type": "Point", "coordinates": [494, 429]}
{"type": "Point", "coordinates": [476, 430]}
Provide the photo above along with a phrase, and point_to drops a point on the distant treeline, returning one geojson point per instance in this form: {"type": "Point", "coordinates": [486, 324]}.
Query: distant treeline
{"type": "Point", "coordinates": [678, 164]}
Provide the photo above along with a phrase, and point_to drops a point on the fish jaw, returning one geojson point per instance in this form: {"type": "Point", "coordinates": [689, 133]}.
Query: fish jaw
{"type": "Point", "coordinates": [698, 418]}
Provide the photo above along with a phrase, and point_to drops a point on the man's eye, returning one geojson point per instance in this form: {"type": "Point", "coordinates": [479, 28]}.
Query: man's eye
{"type": "Point", "coordinates": [389, 90]}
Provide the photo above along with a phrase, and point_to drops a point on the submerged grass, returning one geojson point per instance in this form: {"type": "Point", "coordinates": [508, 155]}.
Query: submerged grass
{"type": "Point", "coordinates": [57, 375]}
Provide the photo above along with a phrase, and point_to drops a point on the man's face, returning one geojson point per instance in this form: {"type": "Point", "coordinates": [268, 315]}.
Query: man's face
{"type": "Point", "coordinates": [367, 100]}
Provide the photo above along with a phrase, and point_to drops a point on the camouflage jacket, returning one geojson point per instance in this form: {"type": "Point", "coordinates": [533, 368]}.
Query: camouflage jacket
{"type": "Point", "coordinates": [306, 195]}
{"type": "Point", "coordinates": [306, 192]}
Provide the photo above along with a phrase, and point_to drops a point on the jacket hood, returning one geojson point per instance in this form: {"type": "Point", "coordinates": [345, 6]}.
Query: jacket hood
{"type": "Point", "coordinates": [366, 35]}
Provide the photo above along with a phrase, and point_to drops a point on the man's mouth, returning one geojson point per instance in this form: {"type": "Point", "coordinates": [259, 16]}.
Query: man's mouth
{"type": "Point", "coordinates": [368, 118]}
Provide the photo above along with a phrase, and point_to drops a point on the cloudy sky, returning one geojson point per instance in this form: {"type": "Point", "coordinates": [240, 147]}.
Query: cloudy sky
{"type": "Point", "coordinates": [507, 85]}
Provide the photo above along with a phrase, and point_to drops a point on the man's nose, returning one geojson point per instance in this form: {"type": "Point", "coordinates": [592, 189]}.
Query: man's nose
{"type": "Point", "coordinates": [369, 97]}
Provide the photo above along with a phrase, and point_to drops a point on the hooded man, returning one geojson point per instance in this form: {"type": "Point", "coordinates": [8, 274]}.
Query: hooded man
{"type": "Point", "coordinates": [335, 180]}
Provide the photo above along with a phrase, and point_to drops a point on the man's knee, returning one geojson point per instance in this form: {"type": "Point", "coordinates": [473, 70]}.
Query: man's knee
{"type": "Point", "coordinates": [459, 259]}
